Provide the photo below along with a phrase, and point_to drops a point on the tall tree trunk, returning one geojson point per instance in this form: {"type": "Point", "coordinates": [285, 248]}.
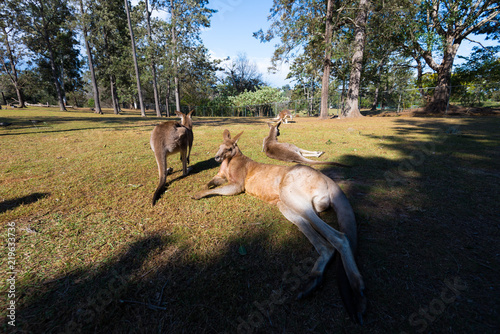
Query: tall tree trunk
{"type": "Point", "coordinates": [326, 62]}
{"type": "Point", "coordinates": [13, 71]}
{"type": "Point", "coordinates": [175, 58]}
{"type": "Point", "coordinates": [439, 101]}
{"type": "Point", "coordinates": [177, 95]}
{"type": "Point", "coordinates": [114, 99]}
{"type": "Point", "coordinates": [53, 68]}
{"type": "Point", "coordinates": [134, 56]}
{"type": "Point", "coordinates": [95, 88]}
{"type": "Point", "coordinates": [352, 103]}
{"type": "Point", "coordinates": [153, 65]}
{"type": "Point", "coordinates": [167, 100]}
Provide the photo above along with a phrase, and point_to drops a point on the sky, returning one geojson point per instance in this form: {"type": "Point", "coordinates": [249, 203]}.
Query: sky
{"type": "Point", "coordinates": [231, 33]}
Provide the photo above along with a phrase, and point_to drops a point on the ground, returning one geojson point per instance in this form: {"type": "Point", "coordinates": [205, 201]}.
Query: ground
{"type": "Point", "coordinates": [92, 255]}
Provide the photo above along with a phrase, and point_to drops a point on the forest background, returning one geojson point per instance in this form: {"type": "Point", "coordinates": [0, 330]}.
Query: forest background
{"type": "Point", "coordinates": [97, 54]}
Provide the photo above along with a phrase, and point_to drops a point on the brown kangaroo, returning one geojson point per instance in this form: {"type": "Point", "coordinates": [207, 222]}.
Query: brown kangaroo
{"type": "Point", "coordinates": [168, 138]}
{"type": "Point", "coordinates": [283, 116]}
{"type": "Point", "coordinates": [289, 152]}
{"type": "Point", "coordinates": [300, 192]}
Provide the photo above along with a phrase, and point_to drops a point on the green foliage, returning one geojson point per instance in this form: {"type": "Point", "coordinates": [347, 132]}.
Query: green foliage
{"type": "Point", "coordinates": [262, 96]}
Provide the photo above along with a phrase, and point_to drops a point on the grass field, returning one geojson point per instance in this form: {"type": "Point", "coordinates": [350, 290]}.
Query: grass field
{"type": "Point", "coordinates": [92, 255]}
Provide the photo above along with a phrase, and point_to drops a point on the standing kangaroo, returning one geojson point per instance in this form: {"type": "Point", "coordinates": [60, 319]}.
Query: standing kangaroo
{"type": "Point", "coordinates": [300, 192]}
{"type": "Point", "coordinates": [289, 152]}
{"type": "Point", "coordinates": [168, 138]}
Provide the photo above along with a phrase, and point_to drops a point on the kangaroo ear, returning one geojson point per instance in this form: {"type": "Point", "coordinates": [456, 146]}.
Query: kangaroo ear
{"type": "Point", "coordinates": [178, 113]}
{"type": "Point", "coordinates": [226, 135]}
{"type": "Point", "coordinates": [278, 125]}
{"type": "Point", "coordinates": [190, 113]}
{"type": "Point", "coordinates": [235, 139]}
{"type": "Point", "coordinates": [270, 124]}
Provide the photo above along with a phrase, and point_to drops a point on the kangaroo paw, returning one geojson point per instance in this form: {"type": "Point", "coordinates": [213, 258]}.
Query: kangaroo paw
{"type": "Point", "coordinates": [313, 282]}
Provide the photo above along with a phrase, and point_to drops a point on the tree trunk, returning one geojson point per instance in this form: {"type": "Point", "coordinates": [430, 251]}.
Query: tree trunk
{"type": "Point", "coordinates": [13, 71]}
{"type": "Point", "coordinates": [352, 104]}
{"type": "Point", "coordinates": [134, 56]}
{"type": "Point", "coordinates": [326, 62]}
{"type": "Point", "coordinates": [153, 65]}
{"type": "Point", "coordinates": [175, 58]}
{"type": "Point", "coordinates": [59, 91]}
{"type": "Point", "coordinates": [95, 88]}
{"type": "Point", "coordinates": [441, 96]}
{"type": "Point", "coordinates": [116, 107]}
{"type": "Point", "coordinates": [167, 100]}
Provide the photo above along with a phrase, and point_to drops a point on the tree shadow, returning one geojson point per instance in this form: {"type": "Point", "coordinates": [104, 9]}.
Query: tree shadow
{"type": "Point", "coordinates": [428, 223]}
{"type": "Point", "coordinates": [14, 203]}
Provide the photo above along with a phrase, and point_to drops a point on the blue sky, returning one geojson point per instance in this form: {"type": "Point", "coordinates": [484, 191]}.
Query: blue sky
{"type": "Point", "coordinates": [231, 33]}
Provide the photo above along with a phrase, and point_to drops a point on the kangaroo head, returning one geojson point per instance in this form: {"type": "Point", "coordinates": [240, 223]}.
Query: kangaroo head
{"type": "Point", "coordinates": [229, 147]}
{"type": "Point", "coordinates": [274, 130]}
{"type": "Point", "coordinates": [186, 119]}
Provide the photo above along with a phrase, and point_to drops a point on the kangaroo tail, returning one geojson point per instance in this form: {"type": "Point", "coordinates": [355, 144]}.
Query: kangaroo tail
{"type": "Point", "coordinates": [161, 160]}
{"type": "Point", "coordinates": [159, 190]}
{"type": "Point", "coordinates": [331, 163]}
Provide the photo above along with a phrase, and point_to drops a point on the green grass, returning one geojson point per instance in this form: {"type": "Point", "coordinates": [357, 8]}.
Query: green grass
{"type": "Point", "coordinates": [93, 255]}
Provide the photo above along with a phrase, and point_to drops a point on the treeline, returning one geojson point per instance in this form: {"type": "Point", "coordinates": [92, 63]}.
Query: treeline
{"type": "Point", "coordinates": [129, 56]}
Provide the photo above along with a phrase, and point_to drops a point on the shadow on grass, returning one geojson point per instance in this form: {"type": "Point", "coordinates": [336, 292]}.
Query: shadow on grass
{"type": "Point", "coordinates": [46, 124]}
{"type": "Point", "coordinates": [14, 203]}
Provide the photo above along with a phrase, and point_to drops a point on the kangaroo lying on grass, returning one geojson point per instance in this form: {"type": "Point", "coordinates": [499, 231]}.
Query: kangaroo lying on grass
{"type": "Point", "coordinates": [299, 192]}
{"type": "Point", "coordinates": [168, 138]}
{"type": "Point", "coordinates": [283, 116]}
{"type": "Point", "coordinates": [289, 152]}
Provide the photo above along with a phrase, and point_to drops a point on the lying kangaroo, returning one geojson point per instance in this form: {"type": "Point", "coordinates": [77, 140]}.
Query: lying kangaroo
{"type": "Point", "coordinates": [289, 152]}
{"type": "Point", "coordinates": [168, 138]}
{"type": "Point", "coordinates": [299, 192]}
{"type": "Point", "coordinates": [283, 116]}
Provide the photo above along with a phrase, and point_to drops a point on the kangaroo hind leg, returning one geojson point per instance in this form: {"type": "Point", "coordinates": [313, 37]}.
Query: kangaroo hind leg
{"type": "Point", "coordinates": [322, 246]}
{"type": "Point", "coordinates": [306, 153]}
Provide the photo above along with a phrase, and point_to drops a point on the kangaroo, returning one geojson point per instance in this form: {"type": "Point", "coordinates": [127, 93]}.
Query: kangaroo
{"type": "Point", "coordinates": [300, 192]}
{"type": "Point", "coordinates": [169, 138]}
{"type": "Point", "coordinates": [283, 116]}
{"type": "Point", "coordinates": [289, 152]}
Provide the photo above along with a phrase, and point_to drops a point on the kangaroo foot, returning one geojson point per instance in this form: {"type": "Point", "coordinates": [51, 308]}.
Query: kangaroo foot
{"type": "Point", "coordinates": [169, 170]}
{"type": "Point", "coordinates": [313, 282]}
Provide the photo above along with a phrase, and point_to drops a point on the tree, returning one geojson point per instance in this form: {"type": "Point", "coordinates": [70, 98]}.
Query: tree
{"type": "Point", "coordinates": [261, 97]}
{"type": "Point", "coordinates": [108, 38]}
{"type": "Point", "coordinates": [305, 29]}
{"type": "Point", "coordinates": [152, 60]}
{"type": "Point", "coordinates": [442, 26]}
{"type": "Point", "coordinates": [10, 57]}
{"type": "Point", "coordinates": [328, 55]}
{"type": "Point", "coordinates": [134, 57]}
{"type": "Point", "coordinates": [351, 108]}
{"type": "Point", "coordinates": [242, 75]}
{"type": "Point", "coordinates": [187, 18]}
{"type": "Point", "coordinates": [43, 23]}
{"type": "Point", "coordinates": [95, 88]}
